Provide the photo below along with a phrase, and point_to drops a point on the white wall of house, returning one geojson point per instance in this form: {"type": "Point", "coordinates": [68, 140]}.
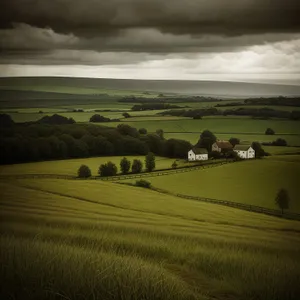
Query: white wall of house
{"type": "Point", "coordinates": [191, 155]}
{"type": "Point", "coordinates": [241, 154]}
{"type": "Point", "coordinates": [250, 153]}
{"type": "Point", "coordinates": [201, 156]}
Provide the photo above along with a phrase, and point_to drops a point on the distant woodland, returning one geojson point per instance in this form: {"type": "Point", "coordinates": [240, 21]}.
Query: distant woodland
{"type": "Point", "coordinates": [47, 140]}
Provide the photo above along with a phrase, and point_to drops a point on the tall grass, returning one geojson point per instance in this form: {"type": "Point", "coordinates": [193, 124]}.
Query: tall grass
{"type": "Point", "coordinates": [59, 247]}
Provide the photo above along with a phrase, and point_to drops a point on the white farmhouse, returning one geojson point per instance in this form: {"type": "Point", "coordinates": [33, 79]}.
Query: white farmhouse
{"type": "Point", "coordinates": [244, 151]}
{"type": "Point", "coordinates": [197, 154]}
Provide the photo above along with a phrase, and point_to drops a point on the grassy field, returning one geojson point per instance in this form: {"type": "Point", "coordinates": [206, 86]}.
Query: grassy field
{"type": "Point", "coordinates": [220, 125]}
{"type": "Point", "coordinates": [252, 182]}
{"type": "Point", "coordinates": [291, 139]}
{"type": "Point", "coordinates": [90, 239]}
{"type": "Point", "coordinates": [97, 240]}
{"type": "Point", "coordinates": [70, 166]}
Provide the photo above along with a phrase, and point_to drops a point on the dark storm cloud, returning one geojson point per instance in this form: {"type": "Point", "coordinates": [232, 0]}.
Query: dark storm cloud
{"type": "Point", "coordinates": [132, 31]}
{"type": "Point", "coordinates": [102, 17]}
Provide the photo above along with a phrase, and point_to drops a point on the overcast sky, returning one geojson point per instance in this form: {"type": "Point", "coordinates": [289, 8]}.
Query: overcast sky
{"type": "Point", "coordinates": [242, 40]}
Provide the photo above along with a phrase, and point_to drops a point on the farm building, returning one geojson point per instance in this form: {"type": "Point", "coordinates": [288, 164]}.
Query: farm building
{"type": "Point", "coordinates": [244, 151]}
{"type": "Point", "coordinates": [197, 154]}
{"type": "Point", "coordinates": [221, 146]}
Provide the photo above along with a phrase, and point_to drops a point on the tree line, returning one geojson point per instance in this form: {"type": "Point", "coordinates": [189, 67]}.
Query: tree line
{"type": "Point", "coordinates": [152, 106]}
{"type": "Point", "coordinates": [167, 99]}
{"type": "Point", "coordinates": [263, 113]}
{"type": "Point", "coordinates": [110, 169]}
{"type": "Point", "coordinates": [36, 141]}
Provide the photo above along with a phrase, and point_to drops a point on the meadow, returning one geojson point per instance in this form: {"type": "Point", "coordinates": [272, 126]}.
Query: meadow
{"type": "Point", "coordinates": [63, 239]}
{"type": "Point", "coordinates": [92, 239]}
{"type": "Point", "coordinates": [71, 166]}
{"type": "Point", "coordinates": [251, 182]}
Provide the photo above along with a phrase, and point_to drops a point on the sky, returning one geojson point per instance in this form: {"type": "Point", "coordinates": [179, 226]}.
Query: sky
{"type": "Point", "coordinates": [232, 40]}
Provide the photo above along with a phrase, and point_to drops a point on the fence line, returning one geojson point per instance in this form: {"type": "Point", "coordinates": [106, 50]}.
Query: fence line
{"type": "Point", "coordinates": [248, 207]}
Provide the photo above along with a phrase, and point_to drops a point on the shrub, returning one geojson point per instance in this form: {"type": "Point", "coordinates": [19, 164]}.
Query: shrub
{"type": "Point", "coordinates": [137, 166]}
{"type": "Point", "coordinates": [269, 131]}
{"type": "Point", "coordinates": [84, 172]}
{"type": "Point", "coordinates": [174, 165]}
{"type": "Point", "coordinates": [279, 142]}
{"type": "Point", "coordinates": [126, 115]}
{"type": "Point", "coordinates": [108, 169]}
{"type": "Point", "coordinates": [215, 154]}
{"type": "Point", "coordinates": [197, 117]}
{"type": "Point", "coordinates": [143, 183]}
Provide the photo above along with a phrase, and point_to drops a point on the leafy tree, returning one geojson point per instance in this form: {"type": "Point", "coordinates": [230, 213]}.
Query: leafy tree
{"type": "Point", "coordinates": [207, 138]}
{"type": "Point", "coordinates": [269, 131]}
{"type": "Point", "coordinates": [197, 117]}
{"type": "Point", "coordinates": [56, 119]}
{"type": "Point", "coordinates": [282, 199]}
{"type": "Point", "coordinates": [84, 172]}
{"type": "Point", "coordinates": [125, 165]}
{"type": "Point", "coordinates": [174, 165]}
{"type": "Point", "coordinates": [143, 183]}
{"type": "Point", "coordinates": [160, 133]}
{"type": "Point", "coordinates": [6, 120]}
{"type": "Point", "coordinates": [142, 131]}
{"type": "Point", "coordinates": [234, 141]}
{"type": "Point", "coordinates": [126, 115]}
{"type": "Point", "coordinates": [215, 154]}
{"type": "Point", "coordinates": [232, 154]}
{"type": "Point", "coordinates": [125, 129]}
{"type": "Point", "coordinates": [150, 162]}
{"type": "Point", "coordinates": [154, 143]}
{"type": "Point", "coordinates": [137, 166]}
{"type": "Point", "coordinates": [259, 151]}
{"type": "Point", "coordinates": [176, 148]}
{"type": "Point", "coordinates": [108, 169]}
{"type": "Point", "coordinates": [280, 142]}
{"type": "Point", "coordinates": [98, 119]}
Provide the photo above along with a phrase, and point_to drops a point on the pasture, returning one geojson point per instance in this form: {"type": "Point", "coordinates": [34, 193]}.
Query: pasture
{"type": "Point", "coordinates": [110, 241]}
{"type": "Point", "coordinates": [251, 182]}
{"type": "Point", "coordinates": [92, 239]}
{"type": "Point", "coordinates": [70, 166]}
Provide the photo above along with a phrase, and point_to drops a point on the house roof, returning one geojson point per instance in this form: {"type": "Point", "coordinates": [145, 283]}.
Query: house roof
{"type": "Point", "coordinates": [224, 144]}
{"type": "Point", "coordinates": [242, 147]}
{"type": "Point", "coordinates": [200, 150]}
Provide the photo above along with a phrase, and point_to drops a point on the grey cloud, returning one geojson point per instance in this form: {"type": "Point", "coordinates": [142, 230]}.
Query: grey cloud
{"type": "Point", "coordinates": [71, 57]}
{"type": "Point", "coordinates": [177, 16]}
{"type": "Point", "coordinates": [25, 38]}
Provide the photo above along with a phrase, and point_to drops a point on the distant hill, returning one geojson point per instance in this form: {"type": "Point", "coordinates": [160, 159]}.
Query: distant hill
{"type": "Point", "coordinates": [95, 85]}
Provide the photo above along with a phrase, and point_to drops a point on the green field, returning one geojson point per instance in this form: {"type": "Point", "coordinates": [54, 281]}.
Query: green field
{"type": "Point", "coordinates": [96, 240]}
{"type": "Point", "coordinates": [251, 182]}
{"type": "Point", "coordinates": [93, 239]}
{"type": "Point", "coordinates": [70, 166]}
{"type": "Point", "coordinates": [220, 125]}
